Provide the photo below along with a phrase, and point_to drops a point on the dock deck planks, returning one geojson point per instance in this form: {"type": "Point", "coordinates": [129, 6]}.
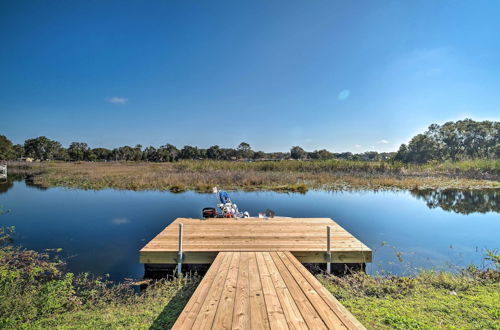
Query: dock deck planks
{"type": "Point", "coordinates": [304, 237]}
{"type": "Point", "coordinates": [256, 279]}
{"type": "Point", "coordinates": [262, 290]}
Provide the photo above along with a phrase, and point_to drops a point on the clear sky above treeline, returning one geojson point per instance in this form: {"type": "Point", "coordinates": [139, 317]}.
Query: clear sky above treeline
{"type": "Point", "coordinates": [340, 75]}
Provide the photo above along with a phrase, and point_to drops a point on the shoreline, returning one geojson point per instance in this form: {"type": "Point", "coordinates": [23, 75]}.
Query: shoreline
{"type": "Point", "coordinates": [288, 176]}
{"type": "Point", "coordinates": [460, 299]}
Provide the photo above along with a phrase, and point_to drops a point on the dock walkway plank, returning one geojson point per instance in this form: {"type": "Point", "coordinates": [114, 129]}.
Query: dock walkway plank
{"type": "Point", "coordinates": [262, 290]}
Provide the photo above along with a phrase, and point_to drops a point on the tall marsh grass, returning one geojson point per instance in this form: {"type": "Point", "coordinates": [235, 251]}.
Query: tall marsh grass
{"type": "Point", "coordinates": [262, 175]}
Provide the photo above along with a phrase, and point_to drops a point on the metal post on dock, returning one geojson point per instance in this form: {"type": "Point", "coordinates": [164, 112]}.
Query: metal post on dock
{"type": "Point", "coordinates": [328, 250]}
{"type": "Point", "coordinates": [179, 256]}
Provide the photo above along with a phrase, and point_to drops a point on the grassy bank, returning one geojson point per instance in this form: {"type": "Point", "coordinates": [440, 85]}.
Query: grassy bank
{"type": "Point", "coordinates": [36, 293]}
{"type": "Point", "coordinates": [279, 176]}
{"type": "Point", "coordinates": [430, 300]}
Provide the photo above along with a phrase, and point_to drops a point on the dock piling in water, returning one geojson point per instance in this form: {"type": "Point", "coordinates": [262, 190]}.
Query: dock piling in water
{"type": "Point", "coordinates": [179, 256]}
{"type": "Point", "coordinates": [328, 249]}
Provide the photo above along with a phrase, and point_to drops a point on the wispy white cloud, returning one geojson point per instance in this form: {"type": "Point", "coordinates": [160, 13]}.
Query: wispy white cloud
{"type": "Point", "coordinates": [424, 63]}
{"type": "Point", "coordinates": [117, 100]}
{"type": "Point", "coordinates": [120, 221]}
{"type": "Point", "coordinates": [357, 146]}
{"type": "Point", "coordinates": [383, 141]}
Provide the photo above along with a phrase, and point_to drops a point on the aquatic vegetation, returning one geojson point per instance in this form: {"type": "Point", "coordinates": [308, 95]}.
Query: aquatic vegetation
{"type": "Point", "coordinates": [286, 176]}
{"type": "Point", "coordinates": [177, 188]}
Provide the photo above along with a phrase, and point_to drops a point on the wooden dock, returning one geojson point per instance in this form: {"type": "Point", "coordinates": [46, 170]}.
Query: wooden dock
{"type": "Point", "coordinates": [256, 279]}
{"type": "Point", "coordinates": [304, 237]}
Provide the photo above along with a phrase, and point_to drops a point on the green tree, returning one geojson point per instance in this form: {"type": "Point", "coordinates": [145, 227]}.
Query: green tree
{"type": "Point", "coordinates": [189, 152]}
{"type": "Point", "coordinates": [43, 148]}
{"type": "Point", "coordinates": [214, 152]}
{"type": "Point", "coordinates": [402, 154]}
{"type": "Point", "coordinates": [168, 153]}
{"type": "Point", "coordinates": [321, 154]}
{"type": "Point", "coordinates": [259, 155]}
{"type": "Point", "coordinates": [102, 153]}
{"type": "Point", "coordinates": [137, 152]}
{"type": "Point", "coordinates": [463, 139]}
{"type": "Point", "coordinates": [297, 153]}
{"type": "Point", "coordinates": [150, 154]}
{"type": "Point", "coordinates": [126, 153]}
{"type": "Point", "coordinates": [18, 151]}
{"type": "Point", "coordinates": [450, 137]}
{"type": "Point", "coordinates": [91, 156]}
{"type": "Point", "coordinates": [7, 151]}
{"type": "Point", "coordinates": [244, 150]}
{"type": "Point", "coordinates": [421, 149]}
{"type": "Point", "coordinates": [78, 151]}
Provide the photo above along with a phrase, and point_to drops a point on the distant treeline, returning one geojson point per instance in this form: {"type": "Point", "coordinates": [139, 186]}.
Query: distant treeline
{"type": "Point", "coordinates": [461, 140]}
{"type": "Point", "coordinates": [42, 148]}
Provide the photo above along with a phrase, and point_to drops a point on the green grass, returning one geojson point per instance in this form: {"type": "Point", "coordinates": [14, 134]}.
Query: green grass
{"type": "Point", "coordinates": [35, 293]}
{"type": "Point", "coordinates": [157, 308]}
{"type": "Point", "coordinates": [430, 300]}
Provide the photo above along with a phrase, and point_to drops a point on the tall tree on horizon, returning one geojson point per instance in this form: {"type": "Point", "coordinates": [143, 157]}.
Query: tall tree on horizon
{"type": "Point", "coordinates": [298, 153]}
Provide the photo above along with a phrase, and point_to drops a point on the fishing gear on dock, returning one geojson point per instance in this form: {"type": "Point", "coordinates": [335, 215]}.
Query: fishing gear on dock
{"type": "Point", "coordinates": [225, 209]}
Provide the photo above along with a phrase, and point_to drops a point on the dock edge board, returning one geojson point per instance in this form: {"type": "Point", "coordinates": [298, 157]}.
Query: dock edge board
{"type": "Point", "coordinates": [190, 257]}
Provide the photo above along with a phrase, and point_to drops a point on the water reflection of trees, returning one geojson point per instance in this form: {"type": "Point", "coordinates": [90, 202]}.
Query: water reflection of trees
{"type": "Point", "coordinates": [6, 184]}
{"type": "Point", "coordinates": [28, 180]}
{"type": "Point", "coordinates": [461, 201]}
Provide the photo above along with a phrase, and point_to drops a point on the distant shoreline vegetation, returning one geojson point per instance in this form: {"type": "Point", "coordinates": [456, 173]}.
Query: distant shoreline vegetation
{"type": "Point", "coordinates": [281, 176]}
{"type": "Point", "coordinates": [456, 155]}
{"type": "Point", "coordinates": [452, 141]}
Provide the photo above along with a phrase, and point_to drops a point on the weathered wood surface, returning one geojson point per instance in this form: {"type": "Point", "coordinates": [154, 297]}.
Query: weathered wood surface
{"type": "Point", "coordinates": [262, 290]}
{"type": "Point", "coordinates": [304, 237]}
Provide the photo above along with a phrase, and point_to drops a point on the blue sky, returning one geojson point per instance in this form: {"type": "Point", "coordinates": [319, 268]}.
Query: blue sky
{"type": "Point", "coordinates": [341, 75]}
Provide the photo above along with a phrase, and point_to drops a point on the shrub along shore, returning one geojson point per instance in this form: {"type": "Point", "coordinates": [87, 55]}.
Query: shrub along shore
{"type": "Point", "coordinates": [286, 176]}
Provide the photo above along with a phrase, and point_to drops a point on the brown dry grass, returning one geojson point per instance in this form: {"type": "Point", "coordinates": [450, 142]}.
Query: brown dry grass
{"type": "Point", "coordinates": [279, 176]}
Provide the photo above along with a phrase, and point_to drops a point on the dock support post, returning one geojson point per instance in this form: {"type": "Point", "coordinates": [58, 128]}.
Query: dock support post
{"type": "Point", "coordinates": [328, 250]}
{"type": "Point", "coordinates": [179, 256]}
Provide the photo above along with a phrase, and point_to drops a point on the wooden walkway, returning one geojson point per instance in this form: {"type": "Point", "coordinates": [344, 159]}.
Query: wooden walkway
{"type": "Point", "coordinates": [262, 290]}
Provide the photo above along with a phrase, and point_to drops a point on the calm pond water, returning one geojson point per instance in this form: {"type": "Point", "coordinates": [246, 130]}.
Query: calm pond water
{"type": "Point", "coordinates": [102, 231]}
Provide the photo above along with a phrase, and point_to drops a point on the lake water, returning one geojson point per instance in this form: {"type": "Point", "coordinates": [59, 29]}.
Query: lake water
{"type": "Point", "coordinates": [102, 231]}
